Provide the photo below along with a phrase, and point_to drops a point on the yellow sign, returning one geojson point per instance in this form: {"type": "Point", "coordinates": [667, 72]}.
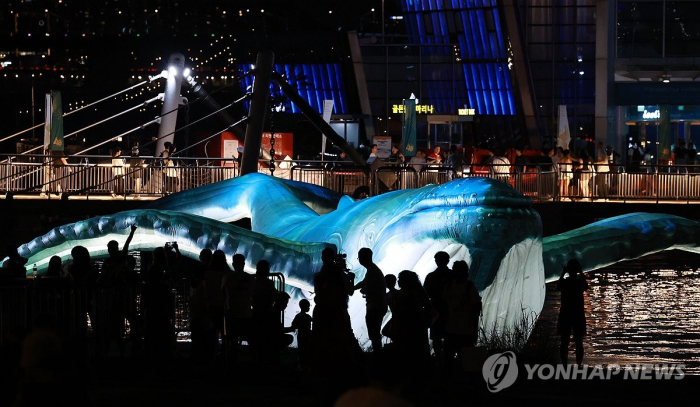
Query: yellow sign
{"type": "Point", "coordinates": [419, 109]}
{"type": "Point", "coordinates": [465, 112]}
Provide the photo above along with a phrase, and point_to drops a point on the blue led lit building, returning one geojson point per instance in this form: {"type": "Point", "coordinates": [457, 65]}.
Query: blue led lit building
{"type": "Point", "coordinates": [496, 71]}
{"type": "Point", "coordinates": [490, 72]}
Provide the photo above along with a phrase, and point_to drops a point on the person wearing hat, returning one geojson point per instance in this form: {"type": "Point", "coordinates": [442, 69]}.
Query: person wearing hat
{"type": "Point", "coordinates": [572, 316]}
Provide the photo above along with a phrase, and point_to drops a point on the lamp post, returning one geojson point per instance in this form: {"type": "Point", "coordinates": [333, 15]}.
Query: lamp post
{"type": "Point", "coordinates": [383, 42]}
{"type": "Point", "coordinates": [386, 75]}
{"type": "Point", "coordinates": [171, 101]}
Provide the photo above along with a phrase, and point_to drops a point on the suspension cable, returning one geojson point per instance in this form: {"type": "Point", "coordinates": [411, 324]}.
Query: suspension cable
{"type": "Point", "coordinates": [99, 122]}
{"type": "Point", "coordinates": [86, 106]}
{"type": "Point", "coordinates": [141, 127]}
{"type": "Point", "coordinates": [244, 97]}
{"type": "Point", "coordinates": [229, 127]}
{"type": "Point", "coordinates": [236, 81]}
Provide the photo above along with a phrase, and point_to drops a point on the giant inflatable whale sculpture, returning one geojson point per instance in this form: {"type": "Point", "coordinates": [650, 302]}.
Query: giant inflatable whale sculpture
{"type": "Point", "coordinates": [482, 221]}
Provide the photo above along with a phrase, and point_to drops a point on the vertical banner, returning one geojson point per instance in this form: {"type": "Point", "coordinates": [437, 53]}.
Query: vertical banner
{"type": "Point", "coordinates": [327, 111]}
{"type": "Point", "coordinates": [664, 134]}
{"type": "Point", "coordinates": [563, 135]}
{"type": "Point", "coordinates": [53, 127]}
{"type": "Point", "coordinates": [47, 121]}
{"type": "Point", "coordinates": [408, 135]}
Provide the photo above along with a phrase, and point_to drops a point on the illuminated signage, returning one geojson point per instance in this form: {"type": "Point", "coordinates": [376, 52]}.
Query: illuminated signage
{"type": "Point", "coordinates": [419, 109]}
{"type": "Point", "coordinates": [656, 114]}
{"type": "Point", "coordinates": [466, 112]}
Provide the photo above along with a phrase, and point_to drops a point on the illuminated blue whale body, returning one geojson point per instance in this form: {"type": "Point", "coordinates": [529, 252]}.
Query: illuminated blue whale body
{"type": "Point", "coordinates": [485, 222]}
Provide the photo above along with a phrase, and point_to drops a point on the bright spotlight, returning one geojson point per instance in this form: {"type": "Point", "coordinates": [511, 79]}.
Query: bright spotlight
{"type": "Point", "coordinates": [172, 70]}
{"type": "Point", "coordinates": [186, 72]}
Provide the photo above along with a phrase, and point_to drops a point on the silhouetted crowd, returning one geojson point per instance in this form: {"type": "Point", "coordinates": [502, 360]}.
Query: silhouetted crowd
{"type": "Point", "coordinates": [228, 308]}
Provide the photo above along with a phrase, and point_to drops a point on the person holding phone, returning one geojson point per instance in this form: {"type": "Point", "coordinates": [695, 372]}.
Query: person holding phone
{"type": "Point", "coordinates": [572, 317]}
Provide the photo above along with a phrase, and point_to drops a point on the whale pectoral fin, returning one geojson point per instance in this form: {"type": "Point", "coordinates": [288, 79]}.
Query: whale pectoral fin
{"type": "Point", "coordinates": [624, 237]}
{"type": "Point", "coordinates": [298, 261]}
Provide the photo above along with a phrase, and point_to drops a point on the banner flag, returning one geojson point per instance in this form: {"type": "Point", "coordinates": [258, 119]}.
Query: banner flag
{"type": "Point", "coordinates": [53, 127]}
{"type": "Point", "coordinates": [327, 111]}
{"type": "Point", "coordinates": [563, 135]}
{"type": "Point", "coordinates": [409, 127]}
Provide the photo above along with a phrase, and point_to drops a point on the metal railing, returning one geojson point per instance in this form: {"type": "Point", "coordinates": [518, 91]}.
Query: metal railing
{"type": "Point", "coordinates": [101, 312]}
{"type": "Point", "coordinates": [144, 176]}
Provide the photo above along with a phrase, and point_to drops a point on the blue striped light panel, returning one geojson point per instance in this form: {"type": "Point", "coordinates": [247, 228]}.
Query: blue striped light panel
{"type": "Point", "coordinates": [314, 82]}
{"type": "Point", "coordinates": [486, 82]}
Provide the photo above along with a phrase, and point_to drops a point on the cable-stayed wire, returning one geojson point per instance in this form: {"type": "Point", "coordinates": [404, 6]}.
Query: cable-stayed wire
{"type": "Point", "coordinates": [84, 107]}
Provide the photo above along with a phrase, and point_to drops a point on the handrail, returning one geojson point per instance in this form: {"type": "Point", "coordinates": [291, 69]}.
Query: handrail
{"type": "Point", "coordinates": [540, 182]}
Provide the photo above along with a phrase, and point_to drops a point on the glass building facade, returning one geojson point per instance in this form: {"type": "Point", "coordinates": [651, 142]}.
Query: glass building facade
{"type": "Point", "coordinates": [560, 38]}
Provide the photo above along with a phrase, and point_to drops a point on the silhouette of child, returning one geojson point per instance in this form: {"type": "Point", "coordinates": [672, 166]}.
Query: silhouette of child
{"type": "Point", "coordinates": [302, 324]}
{"type": "Point", "coordinates": [390, 280]}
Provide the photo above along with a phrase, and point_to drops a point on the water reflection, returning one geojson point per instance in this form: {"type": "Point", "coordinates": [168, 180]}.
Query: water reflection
{"type": "Point", "coordinates": [641, 311]}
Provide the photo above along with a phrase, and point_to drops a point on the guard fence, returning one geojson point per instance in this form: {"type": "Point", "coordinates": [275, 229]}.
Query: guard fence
{"type": "Point", "coordinates": [147, 176]}
{"type": "Point", "coordinates": [98, 313]}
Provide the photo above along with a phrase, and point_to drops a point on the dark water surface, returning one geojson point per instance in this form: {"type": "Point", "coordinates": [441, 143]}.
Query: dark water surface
{"type": "Point", "coordinates": [641, 311]}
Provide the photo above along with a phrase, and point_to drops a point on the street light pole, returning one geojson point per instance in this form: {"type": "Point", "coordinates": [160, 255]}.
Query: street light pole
{"type": "Point", "coordinates": [386, 75]}
{"type": "Point", "coordinates": [383, 41]}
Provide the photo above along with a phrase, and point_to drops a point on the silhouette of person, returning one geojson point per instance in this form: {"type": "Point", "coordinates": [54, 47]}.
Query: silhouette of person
{"type": "Point", "coordinates": [302, 324]}
{"type": "Point", "coordinates": [390, 281]}
{"type": "Point", "coordinates": [55, 265]}
{"type": "Point", "coordinates": [212, 284]}
{"type": "Point", "coordinates": [80, 269]}
{"type": "Point", "coordinates": [201, 324]}
{"type": "Point", "coordinates": [118, 267]}
{"type": "Point", "coordinates": [15, 264]}
{"type": "Point", "coordinates": [279, 338]}
{"type": "Point", "coordinates": [373, 288]}
{"type": "Point", "coordinates": [238, 300]}
{"type": "Point", "coordinates": [197, 274]}
{"type": "Point", "coordinates": [334, 345]}
{"type": "Point", "coordinates": [435, 284]}
{"type": "Point", "coordinates": [175, 261]}
{"type": "Point", "coordinates": [157, 309]}
{"type": "Point", "coordinates": [411, 313]}
{"type": "Point", "coordinates": [571, 314]}
{"type": "Point", "coordinates": [264, 297]}
{"type": "Point", "coordinates": [463, 309]}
